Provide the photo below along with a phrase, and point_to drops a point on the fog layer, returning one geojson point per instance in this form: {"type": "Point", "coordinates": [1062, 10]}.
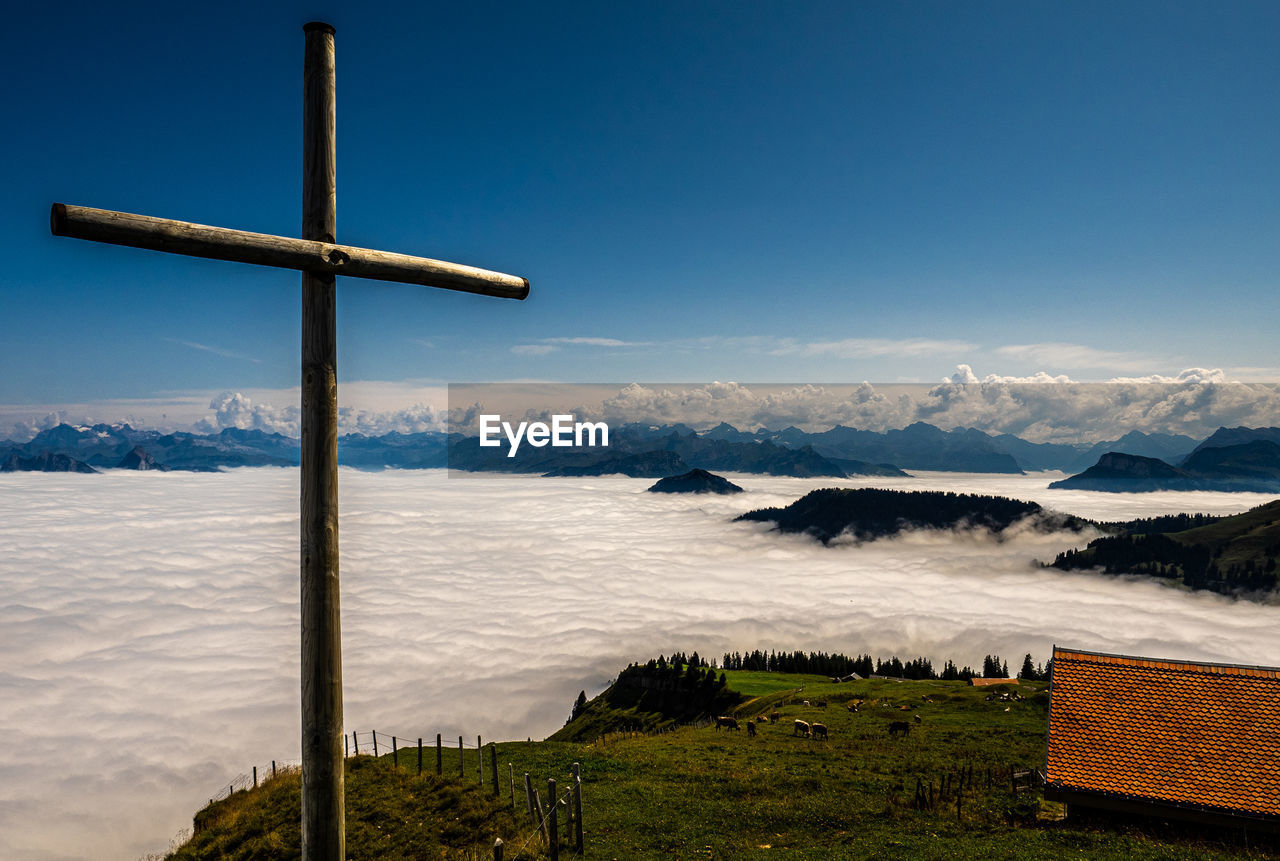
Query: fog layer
{"type": "Point", "coordinates": [150, 621]}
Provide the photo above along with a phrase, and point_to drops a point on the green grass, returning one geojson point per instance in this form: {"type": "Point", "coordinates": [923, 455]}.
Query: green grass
{"type": "Point", "coordinates": [692, 793]}
{"type": "Point", "coordinates": [392, 814]}
{"type": "Point", "coordinates": [757, 684]}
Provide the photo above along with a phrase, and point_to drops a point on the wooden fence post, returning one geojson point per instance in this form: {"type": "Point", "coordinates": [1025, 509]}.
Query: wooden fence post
{"type": "Point", "coordinates": [511, 768]}
{"type": "Point", "coordinates": [535, 809]}
{"type": "Point", "coordinates": [355, 743]}
{"type": "Point", "coordinates": [273, 762]}
{"type": "Point", "coordinates": [577, 808]}
{"type": "Point", "coordinates": [419, 755]}
{"type": "Point", "coordinates": [460, 758]}
{"type": "Point", "coordinates": [493, 767]}
{"type": "Point", "coordinates": [255, 777]}
{"type": "Point", "coordinates": [395, 753]}
{"type": "Point", "coordinates": [439, 757]}
{"type": "Point", "coordinates": [375, 743]}
{"type": "Point", "coordinates": [346, 746]}
{"type": "Point", "coordinates": [553, 832]}
{"type": "Point", "coordinates": [497, 849]}
{"type": "Point", "coordinates": [479, 762]}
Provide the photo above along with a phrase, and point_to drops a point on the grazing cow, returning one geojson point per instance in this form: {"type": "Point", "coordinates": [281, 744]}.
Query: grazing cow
{"type": "Point", "coordinates": [853, 707]}
{"type": "Point", "coordinates": [751, 729]}
{"type": "Point", "coordinates": [806, 702]}
{"type": "Point", "coordinates": [726, 722]}
{"type": "Point", "coordinates": [802, 728]}
{"type": "Point", "coordinates": [904, 708]}
{"type": "Point", "coordinates": [899, 726]}
{"type": "Point", "coordinates": [917, 718]}
{"type": "Point", "coordinates": [775, 716]}
{"type": "Point", "coordinates": [762, 718]}
{"type": "Point", "coordinates": [819, 731]}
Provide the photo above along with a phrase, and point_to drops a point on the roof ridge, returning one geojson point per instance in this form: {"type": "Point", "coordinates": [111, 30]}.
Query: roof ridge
{"type": "Point", "coordinates": [1208, 667]}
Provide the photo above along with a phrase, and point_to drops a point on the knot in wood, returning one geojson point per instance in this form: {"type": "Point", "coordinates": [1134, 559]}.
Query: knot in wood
{"type": "Point", "coordinates": [336, 256]}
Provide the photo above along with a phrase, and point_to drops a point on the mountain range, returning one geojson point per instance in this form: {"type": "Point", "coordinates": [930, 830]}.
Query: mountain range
{"type": "Point", "coordinates": [1231, 459]}
{"type": "Point", "coordinates": [644, 451]}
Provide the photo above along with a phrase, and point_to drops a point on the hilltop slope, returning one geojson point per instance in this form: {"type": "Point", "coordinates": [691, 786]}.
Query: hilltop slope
{"type": "Point", "coordinates": [1231, 555]}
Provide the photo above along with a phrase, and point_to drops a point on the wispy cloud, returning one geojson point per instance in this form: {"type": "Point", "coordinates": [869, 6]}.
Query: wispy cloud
{"type": "Point", "coordinates": [1064, 355]}
{"type": "Point", "coordinates": [856, 348]}
{"type": "Point", "coordinates": [217, 351]}
{"type": "Point", "coordinates": [597, 342]}
{"type": "Point", "coordinates": [543, 346]}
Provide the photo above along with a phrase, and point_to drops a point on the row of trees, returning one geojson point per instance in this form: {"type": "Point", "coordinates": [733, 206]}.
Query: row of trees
{"type": "Point", "coordinates": [682, 685]}
{"type": "Point", "coordinates": [837, 665]}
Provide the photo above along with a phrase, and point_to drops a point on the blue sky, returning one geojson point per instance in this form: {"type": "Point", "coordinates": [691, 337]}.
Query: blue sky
{"type": "Point", "coordinates": [827, 192]}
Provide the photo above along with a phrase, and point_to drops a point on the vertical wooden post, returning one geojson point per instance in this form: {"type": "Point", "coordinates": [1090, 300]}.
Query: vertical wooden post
{"type": "Point", "coordinates": [439, 757]}
{"type": "Point", "coordinates": [528, 797]}
{"type": "Point", "coordinates": [497, 849]}
{"type": "Point", "coordinates": [553, 832]}
{"type": "Point", "coordinates": [355, 743]}
{"type": "Point", "coordinates": [395, 753]}
{"type": "Point", "coordinates": [255, 777]}
{"type": "Point", "coordinates": [461, 759]}
{"type": "Point", "coordinates": [493, 767]}
{"type": "Point", "coordinates": [419, 756]}
{"type": "Point", "coordinates": [273, 762]}
{"type": "Point", "coordinates": [479, 762]}
{"type": "Point", "coordinates": [577, 808]}
{"type": "Point", "coordinates": [323, 806]}
{"type": "Point", "coordinates": [375, 743]}
{"type": "Point", "coordinates": [512, 769]}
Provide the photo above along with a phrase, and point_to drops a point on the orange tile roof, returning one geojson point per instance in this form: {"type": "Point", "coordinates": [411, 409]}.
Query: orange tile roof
{"type": "Point", "coordinates": [1204, 735]}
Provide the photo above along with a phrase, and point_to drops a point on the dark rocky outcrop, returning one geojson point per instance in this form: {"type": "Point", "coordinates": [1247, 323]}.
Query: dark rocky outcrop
{"type": "Point", "coordinates": [139, 459]}
{"type": "Point", "coordinates": [695, 481]}
{"type": "Point", "coordinates": [1116, 472]}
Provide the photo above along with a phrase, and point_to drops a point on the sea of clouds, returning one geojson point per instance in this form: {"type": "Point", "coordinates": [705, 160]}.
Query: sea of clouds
{"type": "Point", "coordinates": [150, 621]}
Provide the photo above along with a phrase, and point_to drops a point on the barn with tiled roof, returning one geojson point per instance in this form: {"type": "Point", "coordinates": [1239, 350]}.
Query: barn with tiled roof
{"type": "Point", "coordinates": [1167, 738]}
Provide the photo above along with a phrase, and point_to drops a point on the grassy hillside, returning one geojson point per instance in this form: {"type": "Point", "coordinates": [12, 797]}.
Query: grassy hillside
{"type": "Point", "coordinates": [691, 793]}
{"type": "Point", "coordinates": [1231, 555]}
{"type": "Point", "coordinates": [392, 814]}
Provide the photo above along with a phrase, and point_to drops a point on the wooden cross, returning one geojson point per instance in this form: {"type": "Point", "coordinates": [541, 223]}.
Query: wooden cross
{"type": "Point", "coordinates": [321, 259]}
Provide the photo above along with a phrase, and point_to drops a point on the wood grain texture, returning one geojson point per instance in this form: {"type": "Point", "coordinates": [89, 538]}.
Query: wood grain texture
{"type": "Point", "coordinates": [265, 249]}
{"type": "Point", "coordinates": [323, 803]}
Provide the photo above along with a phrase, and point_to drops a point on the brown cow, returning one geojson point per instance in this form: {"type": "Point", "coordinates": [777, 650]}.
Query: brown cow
{"type": "Point", "coordinates": [726, 722]}
{"type": "Point", "coordinates": [899, 727]}
{"type": "Point", "coordinates": [751, 729]}
{"type": "Point", "coordinates": [802, 728]}
{"type": "Point", "coordinates": [775, 716]}
{"type": "Point", "coordinates": [819, 731]}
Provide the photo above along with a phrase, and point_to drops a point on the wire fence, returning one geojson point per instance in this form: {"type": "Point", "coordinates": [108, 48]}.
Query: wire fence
{"type": "Point", "coordinates": [554, 820]}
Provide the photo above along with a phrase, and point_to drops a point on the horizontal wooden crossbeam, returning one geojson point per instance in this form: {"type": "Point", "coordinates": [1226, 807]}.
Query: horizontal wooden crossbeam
{"type": "Point", "coordinates": [241, 246]}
